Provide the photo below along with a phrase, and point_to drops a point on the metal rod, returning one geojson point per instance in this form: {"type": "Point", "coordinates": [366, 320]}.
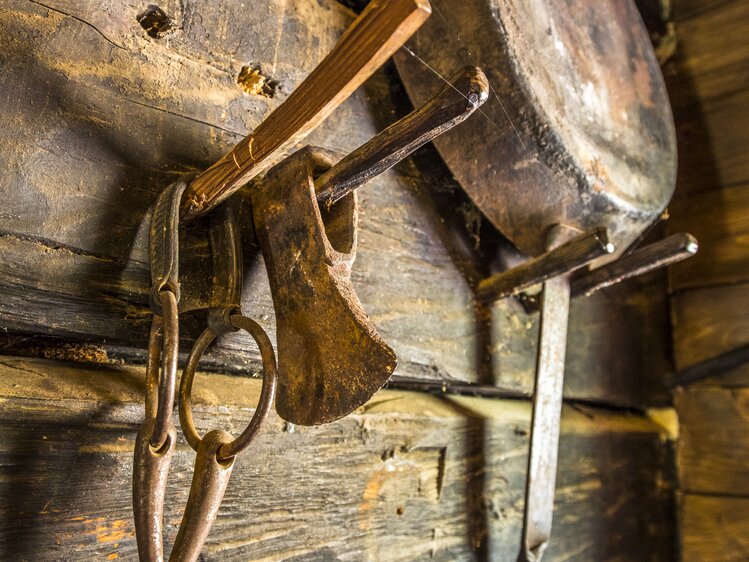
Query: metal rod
{"type": "Point", "coordinates": [665, 252]}
{"type": "Point", "coordinates": [560, 261]}
{"type": "Point", "coordinates": [540, 484]}
{"type": "Point", "coordinates": [450, 106]}
{"type": "Point", "coordinates": [381, 29]}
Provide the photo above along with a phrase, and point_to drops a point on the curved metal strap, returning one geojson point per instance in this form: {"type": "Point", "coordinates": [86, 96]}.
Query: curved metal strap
{"type": "Point", "coordinates": [163, 243]}
{"type": "Point", "coordinates": [226, 254]}
{"type": "Point", "coordinates": [154, 444]}
{"type": "Point", "coordinates": [208, 486]}
{"type": "Point", "coordinates": [150, 471]}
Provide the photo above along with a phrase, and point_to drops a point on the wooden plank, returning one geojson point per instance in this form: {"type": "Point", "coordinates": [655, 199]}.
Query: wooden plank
{"type": "Point", "coordinates": [707, 85]}
{"type": "Point", "coordinates": [372, 38]}
{"type": "Point", "coordinates": [712, 58]}
{"type": "Point", "coordinates": [604, 330]}
{"type": "Point", "coordinates": [708, 322]}
{"type": "Point", "coordinates": [124, 141]}
{"type": "Point", "coordinates": [407, 477]}
{"type": "Point", "coordinates": [713, 143]}
{"type": "Point", "coordinates": [714, 528]}
{"type": "Point", "coordinates": [713, 453]}
{"type": "Point", "coordinates": [693, 9]}
{"type": "Point", "coordinates": [720, 221]}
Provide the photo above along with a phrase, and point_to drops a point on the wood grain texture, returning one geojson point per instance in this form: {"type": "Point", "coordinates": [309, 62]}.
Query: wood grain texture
{"type": "Point", "coordinates": [712, 58]}
{"type": "Point", "coordinates": [713, 144]}
{"type": "Point", "coordinates": [707, 82]}
{"type": "Point", "coordinates": [708, 322]}
{"type": "Point", "coordinates": [408, 477]}
{"type": "Point", "coordinates": [713, 453]}
{"type": "Point", "coordinates": [720, 221]}
{"type": "Point", "coordinates": [604, 329]}
{"type": "Point", "coordinates": [714, 528]}
{"type": "Point", "coordinates": [98, 118]}
{"type": "Point", "coordinates": [381, 29]}
{"type": "Point", "coordinates": [683, 10]}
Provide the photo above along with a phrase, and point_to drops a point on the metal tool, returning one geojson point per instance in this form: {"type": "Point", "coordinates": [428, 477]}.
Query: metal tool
{"type": "Point", "coordinates": [579, 137]}
{"type": "Point", "coordinates": [558, 288]}
{"type": "Point", "coordinates": [154, 444]}
{"type": "Point", "coordinates": [156, 439]}
{"type": "Point", "coordinates": [333, 356]}
{"type": "Point", "coordinates": [217, 450]}
{"type": "Point", "coordinates": [331, 359]}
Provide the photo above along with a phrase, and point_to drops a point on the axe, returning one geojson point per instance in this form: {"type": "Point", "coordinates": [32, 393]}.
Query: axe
{"type": "Point", "coordinates": [331, 359]}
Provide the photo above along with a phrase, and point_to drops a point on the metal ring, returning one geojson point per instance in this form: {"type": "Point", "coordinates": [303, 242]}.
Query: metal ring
{"type": "Point", "coordinates": [267, 394]}
{"type": "Point", "coordinates": [163, 344]}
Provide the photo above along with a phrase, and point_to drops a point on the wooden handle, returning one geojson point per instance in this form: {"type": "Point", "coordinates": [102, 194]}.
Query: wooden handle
{"type": "Point", "coordinates": [375, 35]}
{"type": "Point", "coordinates": [451, 105]}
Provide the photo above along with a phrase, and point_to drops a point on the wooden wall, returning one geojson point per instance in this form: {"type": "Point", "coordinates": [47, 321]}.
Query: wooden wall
{"type": "Point", "coordinates": [407, 477]}
{"type": "Point", "coordinates": [98, 117]}
{"type": "Point", "coordinates": [709, 85]}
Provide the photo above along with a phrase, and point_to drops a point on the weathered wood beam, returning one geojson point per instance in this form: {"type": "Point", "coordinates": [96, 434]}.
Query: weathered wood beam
{"type": "Point", "coordinates": [408, 476]}
{"type": "Point", "coordinates": [714, 442]}
{"type": "Point", "coordinates": [714, 528]}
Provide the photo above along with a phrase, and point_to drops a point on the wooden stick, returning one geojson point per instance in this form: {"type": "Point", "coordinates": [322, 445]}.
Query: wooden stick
{"type": "Point", "coordinates": [375, 35]}
{"type": "Point", "coordinates": [450, 106]}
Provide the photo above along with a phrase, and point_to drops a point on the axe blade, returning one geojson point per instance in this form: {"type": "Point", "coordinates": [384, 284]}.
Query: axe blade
{"type": "Point", "coordinates": [330, 358]}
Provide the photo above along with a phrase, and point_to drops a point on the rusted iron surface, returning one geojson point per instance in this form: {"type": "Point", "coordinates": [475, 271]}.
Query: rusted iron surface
{"type": "Point", "coordinates": [562, 260]}
{"type": "Point", "coordinates": [267, 396]}
{"type": "Point", "coordinates": [331, 359]}
{"type": "Point", "coordinates": [208, 486]}
{"type": "Point", "coordinates": [150, 473]}
{"type": "Point", "coordinates": [582, 133]}
{"type": "Point", "coordinates": [154, 444]}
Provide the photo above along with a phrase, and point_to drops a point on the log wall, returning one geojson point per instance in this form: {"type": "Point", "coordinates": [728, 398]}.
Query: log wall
{"type": "Point", "coordinates": [407, 477]}
{"type": "Point", "coordinates": [709, 84]}
{"type": "Point", "coordinates": [98, 116]}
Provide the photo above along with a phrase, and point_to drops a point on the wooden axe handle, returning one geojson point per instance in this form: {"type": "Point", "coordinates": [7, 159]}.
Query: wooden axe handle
{"type": "Point", "coordinates": [375, 35]}
{"type": "Point", "coordinates": [452, 104]}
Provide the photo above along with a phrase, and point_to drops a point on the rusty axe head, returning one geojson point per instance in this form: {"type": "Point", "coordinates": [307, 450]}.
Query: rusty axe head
{"type": "Point", "coordinates": [331, 359]}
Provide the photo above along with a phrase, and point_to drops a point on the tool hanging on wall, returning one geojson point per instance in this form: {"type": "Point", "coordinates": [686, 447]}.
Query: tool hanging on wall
{"type": "Point", "coordinates": [554, 270]}
{"type": "Point", "coordinates": [331, 358]}
{"type": "Point", "coordinates": [155, 442]}
{"type": "Point", "coordinates": [578, 159]}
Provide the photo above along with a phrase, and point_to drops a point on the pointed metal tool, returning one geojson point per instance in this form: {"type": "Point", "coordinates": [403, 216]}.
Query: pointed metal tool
{"type": "Point", "coordinates": [555, 269]}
